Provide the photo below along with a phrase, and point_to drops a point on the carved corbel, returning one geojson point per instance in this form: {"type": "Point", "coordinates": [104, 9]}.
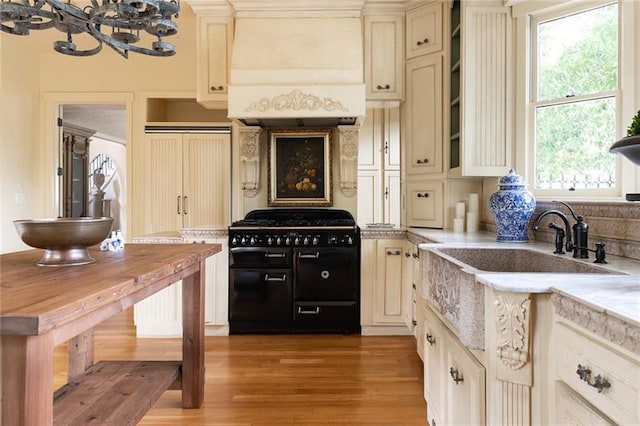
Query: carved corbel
{"type": "Point", "coordinates": [249, 159]}
{"type": "Point", "coordinates": [513, 322]}
{"type": "Point", "coordinates": [348, 139]}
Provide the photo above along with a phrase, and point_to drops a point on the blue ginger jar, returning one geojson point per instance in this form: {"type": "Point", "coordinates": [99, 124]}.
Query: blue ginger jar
{"type": "Point", "coordinates": [512, 206]}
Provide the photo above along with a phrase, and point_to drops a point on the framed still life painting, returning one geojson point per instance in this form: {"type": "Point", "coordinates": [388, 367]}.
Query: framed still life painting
{"type": "Point", "coordinates": [300, 168]}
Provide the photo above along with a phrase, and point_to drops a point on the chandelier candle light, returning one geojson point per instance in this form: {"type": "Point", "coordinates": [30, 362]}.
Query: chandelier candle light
{"type": "Point", "coordinates": [117, 23]}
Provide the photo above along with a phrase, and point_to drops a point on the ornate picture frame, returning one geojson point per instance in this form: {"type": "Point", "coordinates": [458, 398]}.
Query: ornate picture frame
{"type": "Point", "coordinates": [300, 168]}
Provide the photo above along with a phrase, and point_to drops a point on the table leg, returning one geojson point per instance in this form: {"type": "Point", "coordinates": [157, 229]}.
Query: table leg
{"type": "Point", "coordinates": [193, 339]}
{"type": "Point", "coordinates": [80, 351]}
{"type": "Point", "coordinates": [27, 380]}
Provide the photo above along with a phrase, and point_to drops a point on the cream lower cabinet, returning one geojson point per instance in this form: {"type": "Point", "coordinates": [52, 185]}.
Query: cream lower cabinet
{"type": "Point", "coordinates": [454, 381]}
{"type": "Point", "coordinates": [161, 314]}
{"type": "Point", "coordinates": [188, 184]}
{"type": "Point", "coordinates": [595, 381]}
{"type": "Point", "coordinates": [382, 286]}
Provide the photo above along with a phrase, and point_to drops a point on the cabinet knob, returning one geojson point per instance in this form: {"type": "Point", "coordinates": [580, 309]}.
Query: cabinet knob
{"type": "Point", "coordinates": [430, 339]}
{"type": "Point", "coordinates": [393, 253]}
{"type": "Point", "coordinates": [425, 161]}
{"type": "Point", "coordinates": [407, 254]}
{"type": "Point", "coordinates": [455, 375]}
{"type": "Point", "coordinates": [422, 195]}
{"type": "Point", "coordinates": [385, 87]}
{"type": "Point", "coordinates": [421, 42]}
{"type": "Point", "coordinates": [217, 88]}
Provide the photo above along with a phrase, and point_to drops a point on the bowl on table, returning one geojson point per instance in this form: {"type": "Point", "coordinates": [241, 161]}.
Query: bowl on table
{"type": "Point", "coordinates": [65, 239]}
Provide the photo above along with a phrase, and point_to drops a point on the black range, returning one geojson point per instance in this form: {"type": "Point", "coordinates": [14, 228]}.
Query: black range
{"type": "Point", "coordinates": [294, 270]}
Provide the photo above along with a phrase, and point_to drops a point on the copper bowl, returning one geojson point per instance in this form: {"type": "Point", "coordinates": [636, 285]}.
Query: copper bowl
{"type": "Point", "coordinates": [65, 240]}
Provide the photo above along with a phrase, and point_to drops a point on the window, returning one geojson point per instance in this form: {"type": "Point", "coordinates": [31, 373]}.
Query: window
{"type": "Point", "coordinates": [575, 82]}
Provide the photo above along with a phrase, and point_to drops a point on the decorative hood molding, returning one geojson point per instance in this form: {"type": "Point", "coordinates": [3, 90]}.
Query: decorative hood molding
{"type": "Point", "coordinates": [296, 59]}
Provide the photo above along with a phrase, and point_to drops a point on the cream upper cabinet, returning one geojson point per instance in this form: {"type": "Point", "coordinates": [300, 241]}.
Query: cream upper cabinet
{"type": "Point", "coordinates": [481, 134]}
{"type": "Point", "coordinates": [214, 43]}
{"type": "Point", "coordinates": [424, 201]}
{"type": "Point", "coordinates": [423, 116]}
{"type": "Point", "coordinates": [189, 180]}
{"type": "Point", "coordinates": [383, 55]}
{"type": "Point", "coordinates": [424, 30]}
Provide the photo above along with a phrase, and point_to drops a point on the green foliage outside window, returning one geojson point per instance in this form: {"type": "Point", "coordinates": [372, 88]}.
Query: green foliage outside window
{"type": "Point", "coordinates": [578, 56]}
{"type": "Point", "coordinates": [634, 128]}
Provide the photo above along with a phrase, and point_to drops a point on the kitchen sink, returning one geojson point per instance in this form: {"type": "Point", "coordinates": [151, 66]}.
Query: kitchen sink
{"type": "Point", "coordinates": [520, 260]}
{"type": "Point", "coordinates": [450, 280]}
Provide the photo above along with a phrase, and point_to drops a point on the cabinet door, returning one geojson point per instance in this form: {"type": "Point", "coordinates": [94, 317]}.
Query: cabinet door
{"type": "Point", "coordinates": [214, 43]}
{"type": "Point", "coordinates": [408, 290]}
{"type": "Point", "coordinates": [217, 285]}
{"type": "Point", "coordinates": [383, 57]}
{"type": "Point", "coordinates": [391, 136]}
{"type": "Point", "coordinates": [206, 188]}
{"type": "Point", "coordinates": [465, 386]}
{"type": "Point", "coordinates": [392, 197]}
{"type": "Point", "coordinates": [424, 30]}
{"type": "Point", "coordinates": [387, 304]}
{"type": "Point", "coordinates": [369, 197]}
{"type": "Point", "coordinates": [423, 115]}
{"type": "Point", "coordinates": [370, 139]}
{"type": "Point", "coordinates": [425, 204]}
{"type": "Point", "coordinates": [165, 182]}
{"type": "Point", "coordinates": [434, 353]}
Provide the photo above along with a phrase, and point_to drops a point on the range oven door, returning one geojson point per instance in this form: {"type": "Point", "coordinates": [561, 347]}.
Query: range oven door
{"type": "Point", "coordinates": [326, 274]}
{"type": "Point", "coordinates": [260, 285]}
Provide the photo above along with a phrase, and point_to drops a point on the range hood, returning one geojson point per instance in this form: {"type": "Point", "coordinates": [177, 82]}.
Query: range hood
{"type": "Point", "coordinates": [294, 67]}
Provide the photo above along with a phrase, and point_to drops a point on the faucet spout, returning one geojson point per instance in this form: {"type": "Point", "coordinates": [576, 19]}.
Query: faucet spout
{"type": "Point", "coordinates": [565, 220]}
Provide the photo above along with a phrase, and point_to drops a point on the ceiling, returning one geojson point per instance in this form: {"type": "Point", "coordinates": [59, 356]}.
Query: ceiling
{"type": "Point", "coordinates": [108, 120]}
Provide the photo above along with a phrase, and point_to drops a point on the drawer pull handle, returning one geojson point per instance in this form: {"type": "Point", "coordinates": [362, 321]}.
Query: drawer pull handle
{"type": "Point", "coordinates": [309, 256]}
{"type": "Point", "coordinates": [280, 279]}
{"type": "Point", "coordinates": [422, 195]}
{"type": "Point", "coordinates": [316, 311]}
{"type": "Point", "coordinates": [430, 339]}
{"type": "Point", "coordinates": [421, 42]}
{"type": "Point", "coordinates": [278, 255]}
{"type": "Point", "coordinates": [425, 161]}
{"type": "Point", "coordinates": [385, 87]}
{"type": "Point", "coordinates": [455, 375]}
{"type": "Point", "coordinates": [214, 88]}
{"type": "Point", "coordinates": [597, 382]}
{"type": "Point", "coordinates": [393, 253]}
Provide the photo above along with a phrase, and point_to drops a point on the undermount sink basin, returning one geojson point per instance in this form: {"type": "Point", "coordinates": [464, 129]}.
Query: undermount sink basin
{"type": "Point", "coordinates": [450, 280]}
{"type": "Point", "coordinates": [520, 260]}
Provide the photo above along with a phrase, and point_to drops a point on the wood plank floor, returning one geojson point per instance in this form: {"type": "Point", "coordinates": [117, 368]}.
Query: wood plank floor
{"type": "Point", "coordinates": [281, 380]}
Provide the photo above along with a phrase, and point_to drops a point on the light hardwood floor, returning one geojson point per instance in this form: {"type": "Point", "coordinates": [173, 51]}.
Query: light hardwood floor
{"type": "Point", "coordinates": [281, 380]}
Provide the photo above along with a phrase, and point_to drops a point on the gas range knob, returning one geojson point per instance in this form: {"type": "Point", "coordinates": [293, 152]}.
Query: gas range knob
{"type": "Point", "coordinates": [349, 240]}
{"type": "Point", "coordinates": [296, 241]}
{"type": "Point", "coordinates": [234, 241]}
{"type": "Point", "coordinates": [278, 240]}
{"type": "Point", "coordinates": [252, 241]}
{"type": "Point", "coordinates": [243, 240]}
{"type": "Point", "coordinates": [269, 241]}
{"type": "Point", "coordinates": [315, 241]}
{"type": "Point", "coordinates": [305, 241]}
{"type": "Point", "coordinates": [287, 241]}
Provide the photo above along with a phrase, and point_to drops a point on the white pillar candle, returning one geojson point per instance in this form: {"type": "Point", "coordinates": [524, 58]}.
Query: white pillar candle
{"type": "Point", "coordinates": [460, 209]}
{"type": "Point", "coordinates": [458, 225]}
{"type": "Point", "coordinates": [473, 202]}
{"type": "Point", "coordinates": [472, 222]}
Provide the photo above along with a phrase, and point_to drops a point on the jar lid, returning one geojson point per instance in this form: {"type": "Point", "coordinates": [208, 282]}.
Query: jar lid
{"type": "Point", "coordinates": [511, 179]}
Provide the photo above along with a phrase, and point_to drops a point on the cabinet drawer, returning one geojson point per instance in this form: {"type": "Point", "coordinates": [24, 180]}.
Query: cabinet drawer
{"type": "Point", "coordinates": [621, 400]}
{"type": "Point", "coordinates": [424, 30]}
{"type": "Point", "coordinates": [425, 204]}
{"type": "Point", "coordinates": [572, 409]}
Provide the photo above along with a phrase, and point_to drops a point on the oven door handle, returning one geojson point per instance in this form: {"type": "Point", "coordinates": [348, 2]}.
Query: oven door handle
{"type": "Point", "coordinates": [309, 256]}
{"type": "Point", "coordinates": [275, 255]}
{"type": "Point", "coordinates": [316, 311]}
{"type": "Point", "coordinates": [280, 279]}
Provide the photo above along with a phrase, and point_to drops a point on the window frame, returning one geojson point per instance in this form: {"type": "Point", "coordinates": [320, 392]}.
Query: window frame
{"type": "Point", "coordinates": [527, 14]}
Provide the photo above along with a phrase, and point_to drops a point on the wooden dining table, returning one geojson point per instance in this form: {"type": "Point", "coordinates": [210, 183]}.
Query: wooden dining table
{"type": "Point", "coordinates": [42, 307]}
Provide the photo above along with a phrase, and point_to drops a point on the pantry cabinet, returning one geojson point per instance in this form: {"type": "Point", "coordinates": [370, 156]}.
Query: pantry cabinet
{"type": "Point", "coordinates": [383, 55]}
{"type": "Point", "coordinates": [379, 167]}
{"type": "Point", "coordinates": [213, 44]}
{"type": "Point", "coordinates": [188, 181]}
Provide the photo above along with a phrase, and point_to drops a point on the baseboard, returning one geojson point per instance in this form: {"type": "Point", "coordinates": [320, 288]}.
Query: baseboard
{"type": "Point", "coordinates": [386, 330]}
